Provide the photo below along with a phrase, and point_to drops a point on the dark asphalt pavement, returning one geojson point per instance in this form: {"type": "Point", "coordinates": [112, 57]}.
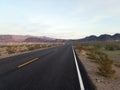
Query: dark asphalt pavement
{"type": "Point", "coordinates": [48, 69]}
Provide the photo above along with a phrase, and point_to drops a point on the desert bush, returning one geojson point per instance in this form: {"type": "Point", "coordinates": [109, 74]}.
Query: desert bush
{"type": "Point", "coordinates": [112, 47]}
{"type": "Point", "coordinates": [36, 46]}
{"type": "Point", "coordinates": [30, 47]}
{"type": "Point", "coordinates": [100, 45]}
{"type": "Point", "coordinates": [33, 47]}
{"type": "Point", "coordinates": [22, 50]}
{"type": "Point", "coordinates": [95, 55]}
{"type": "Point", "coordinates": [11, 50]}
{"type": "Point", "coordinates": [105, 64]}
{"type": "Point", "coordinates": [79, 47]}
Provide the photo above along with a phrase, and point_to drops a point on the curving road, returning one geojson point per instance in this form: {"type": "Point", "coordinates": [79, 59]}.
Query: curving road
{"type": "Point", "coordinates": [49, 69]}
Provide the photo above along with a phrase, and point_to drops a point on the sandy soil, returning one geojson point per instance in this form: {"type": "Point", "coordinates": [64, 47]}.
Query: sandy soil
{"type": "Point", "coordinates": [100, 82]}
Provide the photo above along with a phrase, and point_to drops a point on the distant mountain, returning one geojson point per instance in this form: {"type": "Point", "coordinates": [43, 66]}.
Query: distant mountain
{"type": "Point", "coordinates": [116, 36]}
{"type": "Point", "coordinates": [12, 38]}
{"type": "Point", "coordinates": [27, 38]}
{"type": "Point", "coordinates": [103, 37]}
{"type": "Point", "coordinates": [43, 39]}
{"type": "Point", "coordinates": [90, 38]}
{"type": "Point", "coordinates": [5, 38]}
{"type": "Point", "coordinates": [34, 39]}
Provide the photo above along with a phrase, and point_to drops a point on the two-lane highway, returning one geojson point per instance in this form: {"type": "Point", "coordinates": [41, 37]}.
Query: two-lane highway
{"type": "Point", "coordinates": [55, 68]}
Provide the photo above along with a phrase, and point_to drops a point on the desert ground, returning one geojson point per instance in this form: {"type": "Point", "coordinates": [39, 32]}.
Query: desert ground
{"type": "Point", "coordinates": [8, 49]}
{"type": "Point", "coordinates": [105, 76]}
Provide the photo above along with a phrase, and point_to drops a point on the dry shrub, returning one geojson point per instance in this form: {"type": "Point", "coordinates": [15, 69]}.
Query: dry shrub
{"type": "Point", "coordinates": [105, 64]}
{"type": "Point", "coordinates": [11, 50]}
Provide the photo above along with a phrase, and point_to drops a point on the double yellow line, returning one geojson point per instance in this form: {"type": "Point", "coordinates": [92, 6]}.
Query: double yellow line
{"type": "Point", "coordinates": [28, 62]}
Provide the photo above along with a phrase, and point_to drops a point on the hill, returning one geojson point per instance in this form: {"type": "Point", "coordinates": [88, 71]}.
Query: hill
{"type": "Point", "coordinates": [27, 38]}
{"type": "Point", "coordinates": [103, 37]}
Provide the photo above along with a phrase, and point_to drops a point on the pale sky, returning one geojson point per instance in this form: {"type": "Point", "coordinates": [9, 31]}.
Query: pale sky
{"type": "Point", "coordinates": [68, 19]}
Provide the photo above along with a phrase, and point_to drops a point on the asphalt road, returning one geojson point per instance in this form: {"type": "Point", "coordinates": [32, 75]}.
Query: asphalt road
{"type": "Point", "coordinates": [48, 69]}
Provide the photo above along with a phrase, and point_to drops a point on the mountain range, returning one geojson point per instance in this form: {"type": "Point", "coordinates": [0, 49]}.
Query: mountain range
{"type": "Point", "coordinates": [28, 38]}
{"type": "Point", "coordinates": [103, 37]}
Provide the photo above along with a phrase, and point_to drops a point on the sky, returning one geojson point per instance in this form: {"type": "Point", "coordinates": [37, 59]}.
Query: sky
{"type": "Point", "coordinates": [65, 19]}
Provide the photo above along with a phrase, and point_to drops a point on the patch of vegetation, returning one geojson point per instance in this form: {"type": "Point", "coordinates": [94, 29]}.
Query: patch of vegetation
{"type": "Point", "coordinates": [96, 53]}
{"type": "Point", "coordinates": [37, 46]}
{"type": "Point", "coordinates": [112, 47]}
{"type": "Point", "coordinates": [11, 50]}
{"type": "Point", "coordinates": [105, 64]}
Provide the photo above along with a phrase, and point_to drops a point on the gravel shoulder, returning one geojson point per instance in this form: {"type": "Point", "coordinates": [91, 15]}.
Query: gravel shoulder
{"type": "Point", "coordinates": [99, 81]}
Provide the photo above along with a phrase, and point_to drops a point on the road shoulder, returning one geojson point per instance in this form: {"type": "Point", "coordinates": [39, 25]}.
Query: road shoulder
{"type": "Point", "coordinates": [100, 82]}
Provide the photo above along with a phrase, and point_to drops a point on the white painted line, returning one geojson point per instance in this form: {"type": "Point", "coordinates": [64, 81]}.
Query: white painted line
{"type": "Point", "coordinates": [78, 72]}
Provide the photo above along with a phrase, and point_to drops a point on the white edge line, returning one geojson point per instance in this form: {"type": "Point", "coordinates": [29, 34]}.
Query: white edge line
{"type": "Point", "coordinates": [78, 72]}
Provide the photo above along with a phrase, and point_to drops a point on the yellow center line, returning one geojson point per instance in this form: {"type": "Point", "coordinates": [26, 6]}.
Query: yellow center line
{"type": "Point", "coordinates": [26, 63]}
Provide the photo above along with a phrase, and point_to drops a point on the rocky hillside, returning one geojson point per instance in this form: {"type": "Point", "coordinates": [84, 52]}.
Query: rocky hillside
{"type": "Point", "coordinates": [12, 38]}
{"type": "Point", "coordinates": [26, 38]}
{"type": "Point", "coordinates": [104, 37]}
{"type": "Point", "coordinates": [42, 39]}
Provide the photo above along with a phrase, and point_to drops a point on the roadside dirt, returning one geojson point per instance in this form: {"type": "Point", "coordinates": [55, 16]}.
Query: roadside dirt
{"type": "Point", "coordinates": [100, 82]}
